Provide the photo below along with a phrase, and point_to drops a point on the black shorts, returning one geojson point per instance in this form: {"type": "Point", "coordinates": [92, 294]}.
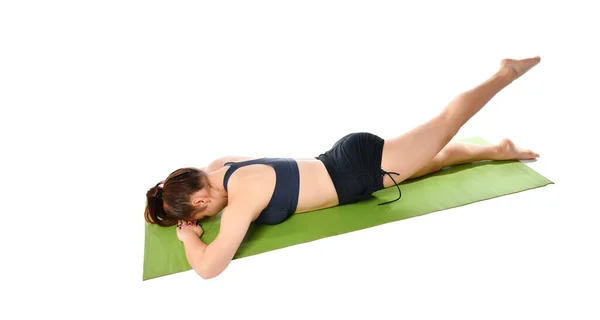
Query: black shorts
{"type": "Point", "coordinates": [354, 165]}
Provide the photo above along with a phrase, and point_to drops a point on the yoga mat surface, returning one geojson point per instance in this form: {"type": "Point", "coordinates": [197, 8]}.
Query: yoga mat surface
{"type": "Point", "coordinates": [452, 187]}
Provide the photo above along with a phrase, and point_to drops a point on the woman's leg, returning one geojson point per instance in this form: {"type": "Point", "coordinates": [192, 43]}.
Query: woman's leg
{"type": "Point", "coordinates": [455, 153]}
{"type": "Point", "coordinates": [408, 153]}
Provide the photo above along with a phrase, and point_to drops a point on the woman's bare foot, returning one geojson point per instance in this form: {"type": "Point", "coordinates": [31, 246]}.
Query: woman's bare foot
{"type": "Point", "coordinates": [517, 68]}
{"type": "Point", "coordinates": [507, 150]}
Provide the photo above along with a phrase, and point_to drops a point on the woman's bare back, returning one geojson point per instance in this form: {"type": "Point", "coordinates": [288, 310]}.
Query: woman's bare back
{"type": "Point", "coordinates": [316, 188]}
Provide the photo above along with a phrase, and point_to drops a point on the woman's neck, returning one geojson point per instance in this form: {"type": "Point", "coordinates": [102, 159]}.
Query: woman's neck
{"type": "Point", "coordinates": [215, 180]}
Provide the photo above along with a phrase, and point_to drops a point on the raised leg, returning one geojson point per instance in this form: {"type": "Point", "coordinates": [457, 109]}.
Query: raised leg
{"type": "Point", "coordinates": [412, 151]}
{"type": "Point", "coordinates": [455, 153]}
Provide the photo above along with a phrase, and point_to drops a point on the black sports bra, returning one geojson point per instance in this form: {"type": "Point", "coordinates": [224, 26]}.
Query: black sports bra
{"type": "Point", "coordinates": [284, 200]}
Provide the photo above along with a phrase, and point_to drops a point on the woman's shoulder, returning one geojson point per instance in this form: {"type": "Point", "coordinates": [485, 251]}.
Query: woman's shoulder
{"type": "Point", "coordinates": [249, 194]}
{"type": "Point", "coordinates": [220, 162]}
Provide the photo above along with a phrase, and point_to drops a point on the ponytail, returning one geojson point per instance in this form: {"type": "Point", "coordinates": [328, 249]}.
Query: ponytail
{"type": "Point", "coordinates": [155, 211]}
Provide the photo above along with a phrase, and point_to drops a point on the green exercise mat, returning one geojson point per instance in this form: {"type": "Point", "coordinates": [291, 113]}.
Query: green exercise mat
{"type": "Point", "coordinates": [451, 187]}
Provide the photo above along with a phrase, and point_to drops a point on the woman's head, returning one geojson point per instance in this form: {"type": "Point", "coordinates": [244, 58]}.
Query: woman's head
{"type": "Point", "coordinates": [184, 195]}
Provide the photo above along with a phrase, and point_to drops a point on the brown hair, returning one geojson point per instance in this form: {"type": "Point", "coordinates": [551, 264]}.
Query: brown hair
{"type": "Point", "coordinates": [171, 202]}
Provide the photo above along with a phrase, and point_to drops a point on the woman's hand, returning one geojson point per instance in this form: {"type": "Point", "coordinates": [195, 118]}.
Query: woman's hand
{"type": "Point", "coordinates": [186, 229]}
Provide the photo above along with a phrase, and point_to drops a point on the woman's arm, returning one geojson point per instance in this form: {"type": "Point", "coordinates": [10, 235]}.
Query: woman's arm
{"type": "Point", "coordinates": [211, 260]}
{"type": "Point", "coordinates": [190, 235]}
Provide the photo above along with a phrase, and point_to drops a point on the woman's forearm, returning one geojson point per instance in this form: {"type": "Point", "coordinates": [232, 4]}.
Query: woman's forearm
{"type": "Point", "coordinates": [194, 252]}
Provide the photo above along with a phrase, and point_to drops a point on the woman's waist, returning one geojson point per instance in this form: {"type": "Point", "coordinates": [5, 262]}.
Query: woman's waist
{"type": "Point", "coordinates": [316, 187]}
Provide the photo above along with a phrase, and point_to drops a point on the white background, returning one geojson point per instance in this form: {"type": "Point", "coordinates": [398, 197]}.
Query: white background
{"type": "Point", "coordinates": [101, 100]}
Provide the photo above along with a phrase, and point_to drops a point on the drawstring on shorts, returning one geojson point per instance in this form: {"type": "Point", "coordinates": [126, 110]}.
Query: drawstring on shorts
{"type": "Point", "coordinates": [396, 184]}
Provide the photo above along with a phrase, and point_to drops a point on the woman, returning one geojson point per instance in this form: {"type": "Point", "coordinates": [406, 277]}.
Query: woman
{"type": "Point", "coordinates": [270, 190]}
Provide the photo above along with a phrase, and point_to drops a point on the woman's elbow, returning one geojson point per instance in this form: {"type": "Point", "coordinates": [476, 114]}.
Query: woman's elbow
{"type": "Point", "coordinates": [207, 273]}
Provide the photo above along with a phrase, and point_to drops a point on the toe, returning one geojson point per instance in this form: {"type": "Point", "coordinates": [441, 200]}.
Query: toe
{"type": "Point", "coordinates": [533, 154]}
